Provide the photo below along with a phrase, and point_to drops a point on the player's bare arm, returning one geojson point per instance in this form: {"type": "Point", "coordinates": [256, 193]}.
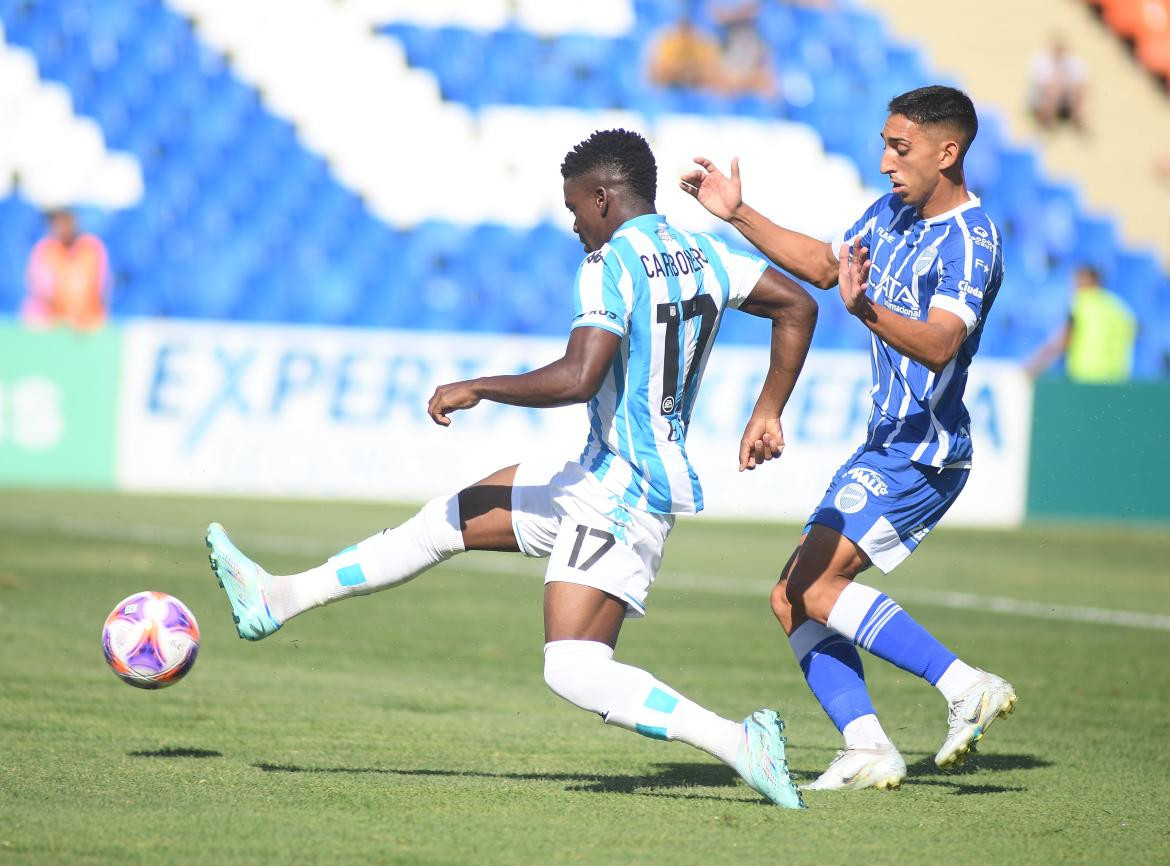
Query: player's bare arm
{"type": "Point", "coordinates": [933, 343]}
{"type": "Point", "coordinates": [574, 378]}
{"type": "Point", "coordinates": [794, 316]}
{"type": "Point", "coordinates": [799, 254]}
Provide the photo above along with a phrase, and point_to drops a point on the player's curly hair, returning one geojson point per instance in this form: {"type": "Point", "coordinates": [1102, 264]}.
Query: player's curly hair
{"type": "Point", "coordinates": [941, 105]}
{"type": "Point", "coordinates": [625, 153]}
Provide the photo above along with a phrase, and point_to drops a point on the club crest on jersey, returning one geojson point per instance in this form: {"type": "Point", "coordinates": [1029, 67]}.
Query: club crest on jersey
{"type": "Point", "coordinates": [869, 479]}
{"type": "Point", "coordinates": [925, 261]}
{"type": "Point", "coordinates": [851, 498]}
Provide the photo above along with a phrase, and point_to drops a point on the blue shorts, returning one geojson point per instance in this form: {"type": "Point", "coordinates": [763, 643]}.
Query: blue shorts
{"type": "Point", "coordinates": [886, 504]}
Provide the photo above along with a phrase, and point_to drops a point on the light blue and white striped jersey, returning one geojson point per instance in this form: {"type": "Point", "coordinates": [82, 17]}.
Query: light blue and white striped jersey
{"type": "Point", "coordinates": [953, 261]}
{"type": "Point", "coordinates": [663, 291]}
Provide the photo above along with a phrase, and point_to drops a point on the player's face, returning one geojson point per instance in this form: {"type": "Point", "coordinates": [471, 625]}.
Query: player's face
{"type": "Point", "coordinates": [586, 201]}
{"type": "Point", "coordinates": [910, 159]}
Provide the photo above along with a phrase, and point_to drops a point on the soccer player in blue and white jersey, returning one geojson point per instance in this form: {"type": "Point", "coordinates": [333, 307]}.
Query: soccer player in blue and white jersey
{"type": "Point", "coordinates": [649, 300]}
{"type": "Point", "coordinates": [920, 270]}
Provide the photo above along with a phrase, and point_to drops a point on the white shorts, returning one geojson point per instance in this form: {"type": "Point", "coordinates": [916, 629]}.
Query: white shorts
{"type": "Point", "coordinates": [588, 533]}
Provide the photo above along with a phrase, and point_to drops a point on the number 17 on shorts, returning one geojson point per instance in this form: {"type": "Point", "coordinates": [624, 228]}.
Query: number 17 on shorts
{"type": "Point", "coordinates": [604, 558]}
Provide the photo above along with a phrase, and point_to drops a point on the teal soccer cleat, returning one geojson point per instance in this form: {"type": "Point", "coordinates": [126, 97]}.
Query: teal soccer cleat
{"type": "Point", "coordinates": [761, 760]}
{"type": "Point", "coordinates": [245, 583]}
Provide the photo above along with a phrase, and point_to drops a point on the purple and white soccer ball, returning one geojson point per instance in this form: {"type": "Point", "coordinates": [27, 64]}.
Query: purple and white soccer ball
{"type": "Point", "coordinates": [150, 640]}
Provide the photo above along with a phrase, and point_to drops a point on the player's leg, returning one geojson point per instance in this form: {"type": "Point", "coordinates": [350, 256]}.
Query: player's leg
{"type": "Point", "coordinates": [600, 569]}
{"type": "Point", "coordinates": [832, 666]}
{"type": "Point", "coordinates": [883, 507]}
{"type": "Point", "coordinates": [477, 518]}
{"type": "Point", "coordinates": [581, 629]}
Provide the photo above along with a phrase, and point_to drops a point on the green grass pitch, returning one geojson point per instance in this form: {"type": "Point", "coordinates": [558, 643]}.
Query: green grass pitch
{"type": "Point", "coordinates": [414, 727]}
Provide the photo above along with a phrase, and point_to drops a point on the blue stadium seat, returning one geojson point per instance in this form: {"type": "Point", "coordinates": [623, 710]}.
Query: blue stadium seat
{"type": "Point", "coordinates": [218, 166]}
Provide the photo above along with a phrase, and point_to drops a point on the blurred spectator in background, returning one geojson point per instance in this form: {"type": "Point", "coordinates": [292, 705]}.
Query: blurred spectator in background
{"type": "Point", "coordinates": [746, 61]}
{"type": "Point", "coordinates": [685, 56]}
{"type": "Point", "coordinates": [1098, 338]}
{"type": "Point", "coordinates": [1057, 86]}
{"type": "Point", "coordinates": [67, 276]}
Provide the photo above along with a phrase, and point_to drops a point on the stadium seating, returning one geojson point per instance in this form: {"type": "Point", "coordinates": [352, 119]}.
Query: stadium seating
{"type": "Point", "coordinates": [1144, 24]}
{"type": "Point", "coordinates": [261, 196]}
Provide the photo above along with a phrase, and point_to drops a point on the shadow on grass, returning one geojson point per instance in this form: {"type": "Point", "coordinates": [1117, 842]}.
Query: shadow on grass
{"type": "Point", "coordinates": [176, 752]}
{"type": "Point", "coordinates": [977, 763]}
{"type": "Point", "coordinates": [924, 772]}
{"type": "Point", "coordinates": [665, 776]}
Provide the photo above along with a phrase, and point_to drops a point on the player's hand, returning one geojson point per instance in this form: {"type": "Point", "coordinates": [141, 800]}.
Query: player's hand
{"type": "Point", "coordinates": [853, 275]}
{"type": "Point", "coordinates": [763, 440]}
{"type": "Point", "coordinates": [448, 398]}
{"type": "Point", "coordinates": [718, 193]}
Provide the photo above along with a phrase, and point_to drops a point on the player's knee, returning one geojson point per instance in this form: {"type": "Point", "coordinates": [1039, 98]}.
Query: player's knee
{"type": "Point", "coordinates": [572, 667]}
{"type": "Point", "coordinates": [781, 606]}
{"type": "Point", "coordinates": [439, 525]}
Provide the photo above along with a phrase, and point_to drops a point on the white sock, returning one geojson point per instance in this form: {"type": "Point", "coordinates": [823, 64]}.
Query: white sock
{"type": "Point", "coordinates": [956, 679]}
{"type": "Point", "coordinates": [585, 674]}
{"type": "Point", "coordinates": [387, 559]}
{"type": "Point", "coordinates": [865, 732]}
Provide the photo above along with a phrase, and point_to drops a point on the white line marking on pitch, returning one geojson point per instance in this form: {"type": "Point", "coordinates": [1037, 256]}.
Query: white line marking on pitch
{"type": "Point", "coordinates": [272, 543]}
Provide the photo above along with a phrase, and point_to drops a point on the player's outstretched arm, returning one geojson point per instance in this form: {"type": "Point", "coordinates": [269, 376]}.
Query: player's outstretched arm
{"type": "Point", "coordinates": [932, 343]}
{"type": "Point", "coordinates": [794, 316]}
{"type": "Point", "coordinates": [797, 253]}
{"type": "Point", "coordinates": [574, 378]}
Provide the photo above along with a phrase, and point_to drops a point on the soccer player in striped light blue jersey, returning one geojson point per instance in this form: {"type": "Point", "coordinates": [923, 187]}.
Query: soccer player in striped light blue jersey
{"type": "Point", "coordinates": [649, 299]}
{"type": "Point", "coordinates": [920, 270]}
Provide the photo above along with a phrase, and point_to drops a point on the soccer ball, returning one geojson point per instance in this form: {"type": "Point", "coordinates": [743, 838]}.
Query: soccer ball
{"type": "Point", "coordinates": [150, 640]}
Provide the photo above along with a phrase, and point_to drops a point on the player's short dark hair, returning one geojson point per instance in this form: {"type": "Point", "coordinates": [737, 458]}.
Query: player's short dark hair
{"type": "Point", "coordinates": [625, 153]}
{"type": "Point", "coordinates": [937, 104]}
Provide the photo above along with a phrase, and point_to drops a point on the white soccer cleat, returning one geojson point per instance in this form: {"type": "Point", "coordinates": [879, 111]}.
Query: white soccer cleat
{"type": "Point", "coordinates": [971, 714]}
{"type": "Point", "coordinates": [854, 768]}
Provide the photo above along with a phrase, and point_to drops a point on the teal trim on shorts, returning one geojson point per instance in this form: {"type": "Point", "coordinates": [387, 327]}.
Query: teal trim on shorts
{"type": "Point", "coordinates": [655, 733]}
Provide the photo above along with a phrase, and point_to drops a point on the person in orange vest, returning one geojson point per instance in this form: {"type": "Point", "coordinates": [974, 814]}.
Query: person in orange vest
{"type": "Point", "coordinates": [67, 277]}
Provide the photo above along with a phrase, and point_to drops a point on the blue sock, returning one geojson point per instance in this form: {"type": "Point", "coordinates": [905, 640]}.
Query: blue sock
{"type": "Point", "coordinates": [875, 622]}
{"type": "Point", "coordinates": [832, 668]}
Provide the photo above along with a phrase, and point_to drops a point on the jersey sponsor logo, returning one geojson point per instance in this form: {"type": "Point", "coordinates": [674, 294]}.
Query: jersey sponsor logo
{"type": "Point", "coordinates": [899, 297]}
{"type": "Point", "coordinates": [981, 240]}
{"type": "Point", "coordinates": [667, 265]}
{"type": "Point", "coordinates": [613, 317]}
{"type": "Point", "coordinates": [667, 404]}
{"type": "Point", "coordinates": [594, 257]}
{"type": "Point", "coordinates": [851, 498]}
{"type": "Point", "coordinates": [925, 261]}
{"type": "Point", "coordinates": [982, 265]}
{"type": "Point", "coordinates": [886, 235]}
{"type": "Point", "coordinates": [968, 289]}
{"type": "Point", "coordinates": [980, 230]}
{"type": "Point", "coordinates": [868, 478]}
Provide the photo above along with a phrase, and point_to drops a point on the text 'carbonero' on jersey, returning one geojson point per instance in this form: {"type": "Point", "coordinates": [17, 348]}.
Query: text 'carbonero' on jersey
{"type": "Point", "coordinates": [683, 262]}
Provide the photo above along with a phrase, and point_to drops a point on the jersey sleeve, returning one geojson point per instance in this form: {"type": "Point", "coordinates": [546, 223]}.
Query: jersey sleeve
{"type": "Point", "coordinates": [863, 228]}
{"type": "Point", "coordinates": [602, 294]}
{"type": "Point", "coordinates": [967, 261]}
{"type": "Point", "coordinates": [743, 271]}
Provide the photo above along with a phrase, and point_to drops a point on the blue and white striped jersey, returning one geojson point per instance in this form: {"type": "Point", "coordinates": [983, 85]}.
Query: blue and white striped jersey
{"type": "Point", "coordinates": [953, 261]}
{"type": "Point", "coordinates": [663, 291]}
